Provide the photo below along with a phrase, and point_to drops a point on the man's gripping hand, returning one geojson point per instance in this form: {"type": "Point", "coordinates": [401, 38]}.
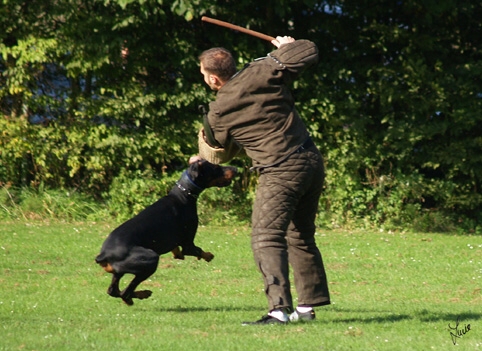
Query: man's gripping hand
{"type": "Point", "coordinates": [282, 40]}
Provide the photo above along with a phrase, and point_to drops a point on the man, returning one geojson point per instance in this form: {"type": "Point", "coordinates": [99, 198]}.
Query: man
{"type": "Point", "coordinates": [254, 110]}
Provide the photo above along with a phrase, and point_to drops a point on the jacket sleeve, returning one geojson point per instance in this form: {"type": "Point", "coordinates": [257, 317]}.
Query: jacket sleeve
{"type": "Point", "coordinates": [296, 56]}
{"type": "Point", "coordinates": [218, 155]}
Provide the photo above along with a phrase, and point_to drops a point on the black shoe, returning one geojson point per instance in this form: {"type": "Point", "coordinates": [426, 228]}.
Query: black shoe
{"type": "Point", "coordinates": [266, 320]}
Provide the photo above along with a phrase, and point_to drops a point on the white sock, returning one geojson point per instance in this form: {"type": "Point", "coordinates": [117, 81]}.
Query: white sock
{"type": "Point", "coordinates": [279, 314]}
{"type": "Point", "coordinates": [304, 309]}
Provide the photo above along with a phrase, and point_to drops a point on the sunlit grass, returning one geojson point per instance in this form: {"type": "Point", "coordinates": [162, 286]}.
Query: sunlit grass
{"type": "Point", "coordinates": [390, 291]}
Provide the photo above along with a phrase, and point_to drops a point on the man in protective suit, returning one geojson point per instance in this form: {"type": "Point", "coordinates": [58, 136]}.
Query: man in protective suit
{"type": "Point", "coordinates": [254, 113]}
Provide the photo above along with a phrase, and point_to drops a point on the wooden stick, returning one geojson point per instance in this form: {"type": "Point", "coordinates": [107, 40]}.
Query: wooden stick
{"type": "Point", "coordinates": [238, 28]}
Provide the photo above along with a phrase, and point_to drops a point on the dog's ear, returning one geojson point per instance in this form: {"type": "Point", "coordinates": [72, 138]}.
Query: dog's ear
{"type": "Point", "coordinates": [195, 168]}
{"type": "Point", "coordinates": [201, 163]}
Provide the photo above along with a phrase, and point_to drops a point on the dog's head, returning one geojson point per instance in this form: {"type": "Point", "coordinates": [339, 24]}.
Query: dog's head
{"type": "Point", "coordinates": [206, 175]}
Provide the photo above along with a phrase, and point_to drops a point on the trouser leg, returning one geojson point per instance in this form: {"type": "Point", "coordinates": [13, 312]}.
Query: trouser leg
{"type": "Point", "coordinates": [304, 256]}
{"type": "Point", "coordinates": [283, 221]}
{"type": "Point", "coordinates": [283, 231]}
{"type": "Point", "coordinates": [270, 221]}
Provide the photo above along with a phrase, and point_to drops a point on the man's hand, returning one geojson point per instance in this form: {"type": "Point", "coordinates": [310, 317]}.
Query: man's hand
{"type": "Point", "coordinates": [194, 159]}
{"type": "Point", "coordinates": [282, 40]}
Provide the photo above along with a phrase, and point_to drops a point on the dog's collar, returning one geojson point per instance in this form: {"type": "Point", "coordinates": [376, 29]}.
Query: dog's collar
{"type": "Point", "coordinates": [188, 186]}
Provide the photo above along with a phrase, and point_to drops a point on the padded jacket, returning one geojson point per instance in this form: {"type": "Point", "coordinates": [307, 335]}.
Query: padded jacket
{"type": "Point", "coordinates": [256, 109]}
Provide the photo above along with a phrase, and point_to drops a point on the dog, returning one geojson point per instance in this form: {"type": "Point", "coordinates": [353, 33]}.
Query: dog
{"type": "Point", "coordinates": [135, 246]}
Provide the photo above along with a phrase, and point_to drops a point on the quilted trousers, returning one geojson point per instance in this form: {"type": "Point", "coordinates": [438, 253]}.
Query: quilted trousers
{"type": "Point", "coordinates": [283, 230]}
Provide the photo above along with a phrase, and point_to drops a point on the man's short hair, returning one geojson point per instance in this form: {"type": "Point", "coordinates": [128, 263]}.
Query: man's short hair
{"type": "Point", "coordinates": [220, 62]}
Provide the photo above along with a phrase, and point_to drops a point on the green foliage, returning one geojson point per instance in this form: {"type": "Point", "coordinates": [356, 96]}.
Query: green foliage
{"type": "Point", "coordinates": [131, 193]}
{"type": "Point", "coordinates": [92, 92]}
{"type": "Point", "coordinates": [48, 204]}
{"type": "Point", "coordinates": [403, 110]}
{"type": "Point", "coordinates": [231, 204]}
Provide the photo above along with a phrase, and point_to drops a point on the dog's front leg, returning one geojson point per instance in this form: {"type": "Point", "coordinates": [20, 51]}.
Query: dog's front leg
{"type": "Point", "coordinates": [196, 251]}
{"type": "Point", "coordinates": [178, 255]}
{"type": "Point", "coordinates": [207, 256]}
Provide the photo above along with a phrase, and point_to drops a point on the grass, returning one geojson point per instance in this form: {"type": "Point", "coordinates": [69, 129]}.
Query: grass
{"type": "Point", "coordinates": [390, 291]}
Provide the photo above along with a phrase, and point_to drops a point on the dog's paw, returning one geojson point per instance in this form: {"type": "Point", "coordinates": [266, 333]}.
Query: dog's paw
{"type": "Point", "coordinates": [142, 294]}
{"type": "Point", "coordinates": [114, 291]}
{"type": "Point", "coordinates": [207, 256]}
{"type": "Point", "coordinates": [128, 301]}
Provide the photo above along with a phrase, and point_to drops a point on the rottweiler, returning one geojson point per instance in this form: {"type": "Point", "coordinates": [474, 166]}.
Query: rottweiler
{"type": "Point", "coordinates": [171, 222]}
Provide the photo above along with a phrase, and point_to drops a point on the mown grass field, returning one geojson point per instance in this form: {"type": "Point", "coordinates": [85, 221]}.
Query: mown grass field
{"type": "Point", "coordinates": [390, 291]}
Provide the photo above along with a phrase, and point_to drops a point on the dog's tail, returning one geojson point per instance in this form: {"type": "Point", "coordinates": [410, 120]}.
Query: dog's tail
{"type": "Point", "coordinates": [101, 258]}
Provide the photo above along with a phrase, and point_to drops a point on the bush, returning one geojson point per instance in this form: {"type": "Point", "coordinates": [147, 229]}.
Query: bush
{"type": "Point", "coordinates": [41, 203]}
{"type": "Point", "coordinates": [131, 192]}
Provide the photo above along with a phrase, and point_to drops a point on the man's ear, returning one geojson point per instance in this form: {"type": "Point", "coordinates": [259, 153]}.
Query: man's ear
{"type": "Point", "coordinates": [213, 79]}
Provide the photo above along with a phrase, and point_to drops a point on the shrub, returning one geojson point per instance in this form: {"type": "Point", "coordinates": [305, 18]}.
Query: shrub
{"type": "Point", "coordinates": [42, 203]}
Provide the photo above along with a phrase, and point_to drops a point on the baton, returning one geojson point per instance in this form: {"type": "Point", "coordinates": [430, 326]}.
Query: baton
{"type": "Point", "coordinates": [238, 28]}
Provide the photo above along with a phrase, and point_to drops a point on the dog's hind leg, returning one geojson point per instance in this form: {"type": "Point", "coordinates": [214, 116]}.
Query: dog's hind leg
{"type": "Point", "coordinates": [142, 263]}
{"type": "Point", "coordinates": [129, 293]}
{"type": "Point", "coordinates": [113, 289]}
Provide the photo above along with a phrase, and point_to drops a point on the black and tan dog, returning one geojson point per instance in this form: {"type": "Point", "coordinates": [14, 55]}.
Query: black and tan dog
{"type": "Point", "coordinates": [171, 222]}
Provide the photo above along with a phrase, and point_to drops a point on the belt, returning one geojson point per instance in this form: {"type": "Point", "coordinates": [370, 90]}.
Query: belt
{"type": "Point", "coordinates": [306, 145]}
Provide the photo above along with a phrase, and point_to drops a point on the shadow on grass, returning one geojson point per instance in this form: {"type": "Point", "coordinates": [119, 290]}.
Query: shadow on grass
{"type": "Point", "coordinates": [187, 309]}
{"type": "Point", "coordinates": [346, 315]}
{"type": "Point", "coordinates": [429, 316]}
{"type": "Point", "coordinates": [386, 316]}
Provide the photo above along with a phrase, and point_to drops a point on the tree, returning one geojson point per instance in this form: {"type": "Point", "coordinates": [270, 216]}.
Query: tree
{"type": "Point", "coordinates": [394, 103]}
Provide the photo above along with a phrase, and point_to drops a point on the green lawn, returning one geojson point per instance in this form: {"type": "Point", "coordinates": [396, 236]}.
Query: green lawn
{"type": "Point", "coordinates": [390, 291]}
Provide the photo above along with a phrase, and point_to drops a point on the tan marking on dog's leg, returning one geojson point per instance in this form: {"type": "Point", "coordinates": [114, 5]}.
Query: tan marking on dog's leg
{"type": "Point", "coordinates": [177, 253]}
{"type": "Point", "coordinates": [107, 267]}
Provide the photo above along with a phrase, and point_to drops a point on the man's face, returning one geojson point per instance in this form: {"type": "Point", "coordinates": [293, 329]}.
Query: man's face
{"type": "Point", "coordinates": [210, 79]}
